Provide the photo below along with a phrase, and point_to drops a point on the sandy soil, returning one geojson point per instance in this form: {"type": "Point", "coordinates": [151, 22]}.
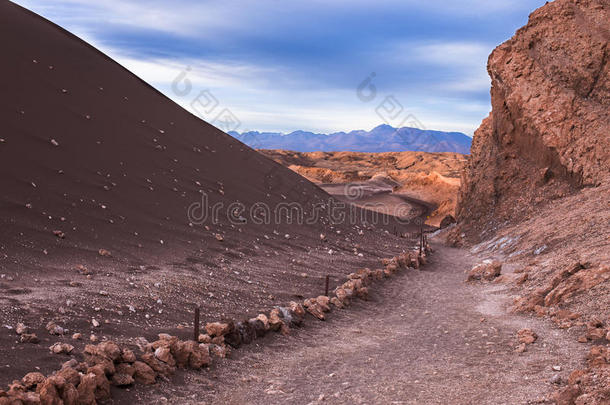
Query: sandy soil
{"type": "Point", "coordinates": [93, 158]}
{"type": "Point", "coordinates": [424, 337]}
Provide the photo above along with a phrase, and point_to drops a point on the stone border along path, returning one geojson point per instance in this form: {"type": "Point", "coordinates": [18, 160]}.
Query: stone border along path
{"type": "Point", "coordinates": [108, 364]}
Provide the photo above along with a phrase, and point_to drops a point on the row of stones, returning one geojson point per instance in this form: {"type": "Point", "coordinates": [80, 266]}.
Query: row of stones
{"type": "Point", "coordinates": [106, 364]}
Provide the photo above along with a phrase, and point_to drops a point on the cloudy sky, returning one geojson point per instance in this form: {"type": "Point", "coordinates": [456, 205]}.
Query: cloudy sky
{"type": "Point", "coordinates": [288, 65]}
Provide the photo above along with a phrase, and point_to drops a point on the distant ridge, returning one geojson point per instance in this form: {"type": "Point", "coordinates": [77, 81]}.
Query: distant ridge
{"type": "Point", "coordinates": [383, 138]}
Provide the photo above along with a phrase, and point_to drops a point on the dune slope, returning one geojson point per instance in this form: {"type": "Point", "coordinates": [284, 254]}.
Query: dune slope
{"type": "Point", "coordinates": [99, 173]}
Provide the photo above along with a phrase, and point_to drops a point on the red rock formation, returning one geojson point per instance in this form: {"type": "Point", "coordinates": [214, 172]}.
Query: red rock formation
{"type": "Point", "coordinates": [549, 130]}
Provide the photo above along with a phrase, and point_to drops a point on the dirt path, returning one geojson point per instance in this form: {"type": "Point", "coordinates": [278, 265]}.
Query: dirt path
{"type": "Point", "coordinates": [419, 340]}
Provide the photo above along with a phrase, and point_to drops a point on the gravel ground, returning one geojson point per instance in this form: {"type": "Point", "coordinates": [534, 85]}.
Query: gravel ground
{"type": "Point", "coordinates": [423, 338]}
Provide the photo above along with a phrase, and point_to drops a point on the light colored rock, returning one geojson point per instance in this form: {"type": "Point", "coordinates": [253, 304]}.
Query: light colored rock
{"type": "Point", "coordinates": [313, 307]}
{"type": "Point", "coordinates": [324, 303]}
{"type": "Point", "coordinates": [21, 328]}
{"type": "Point", "coordinates": [60, 348]}
{"type": "Point", "coordinates": [218, 328]}
{"type": "Point", "coordinates": [31, 380]}
{"type": "Point", "coordinates": [55, 329]}
{"type": "Point", "coordinates": [527, 336]}
{"type": "Point", "coordinates": [486, 270]}
{"type": "Point", "coordinates": [204, 338]}
{"type": "Point", "coordinates": [29, 338]}
{"type": "Point", "coordinates": [275, 319]}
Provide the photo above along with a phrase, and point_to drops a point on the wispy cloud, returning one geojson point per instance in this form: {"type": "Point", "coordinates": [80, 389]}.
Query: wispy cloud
{"type": "Point", "coordinates": [296, 65]}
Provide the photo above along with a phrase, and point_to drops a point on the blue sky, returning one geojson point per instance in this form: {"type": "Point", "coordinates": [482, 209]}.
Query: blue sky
{"type": "Point", "coordinates": [288, 65]}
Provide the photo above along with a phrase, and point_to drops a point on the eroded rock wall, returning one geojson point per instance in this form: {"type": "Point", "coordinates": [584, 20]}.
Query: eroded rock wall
{"type": "Point", "coordinates": [548, 134]}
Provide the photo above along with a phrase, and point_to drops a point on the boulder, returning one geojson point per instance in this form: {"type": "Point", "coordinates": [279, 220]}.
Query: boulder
{"type": "Point", "coordinates": [29, 338]}
{"type": "Point", "coordinates": [486, 270]}
{"type": "Point", "coordinates": [290, 318]}
{"type": "Point", "coordinates": [128, 356]}
{"type": "Point", "coordinates": [337, 302]}
{"type": "Point", "coordinates": [577, 376]}
{"type": "Point", "coordinates": [323, 301]}
{"type": "Point", "coordinates": [70, 375]}
{"type": "Point", "coordinates": [61, 348]}
{"type": "Point", "coordinates": [55, 329]}
{"type": "Point", "coordinates": [234, 337]}
{"type": "Point", "coordinates": [568, 395]}
{"type": "Point", "coordinates": [122, 380]}
{"type": "Point", "coordinates": [219, 328]}
{"type": "Point", "coordinates": [102, 385]}
{"type": "Point", "coordinates": [363, 293]}
{"type": "Point", "coordinates": [526, 336]}
{"type": "Point", "coordinates": [391, 268]}
{"type": "Point", "coordinates": [125, 368]}
{"type": "Point", "coordinates": [48, 391]}
{"type": "Point", "coordinates": [314, 308]}
{"type": "Point", "coordinates": [342, 296]}
{"type": "Point", "coordinates": [297, 309]}
{"type": "Point", "coordinates": [21, 329]}
{"type": "Point", "coordinates": [258, 326]}
{"type": "Point", "coordinates": [218, 340]}
{"type": "Point", "coordinates": [275, 319]}
{"type": "Point", "coordinates": [164, 354]}
{"type": "Point", "coordinates": [221, 351]}
{"type": "Point", "coordinates": [199, 355]}
{"type": "Point", "coordinates": [156, 365]}
{"type": "Point", "coordinates": [107, 350]}
{"type": "Point", "coordinates": [595, 330]}
{"type": "Point", "coordinates": [31, 380]}
{"type": "Point", "coordinates": [577, 278]}
{"type": "Point", "coordinates": [69, 395]}
{"type": "Point", "coordinates": [86, 389]}
{"type": "Point", "coordinates": [143, 373]}
{"type": "Point", "coordinates": [598, 357]}
{"type": "Point", "coordinates": [265, 320]}
{"type": "Point", "coordinates": [204, 338]}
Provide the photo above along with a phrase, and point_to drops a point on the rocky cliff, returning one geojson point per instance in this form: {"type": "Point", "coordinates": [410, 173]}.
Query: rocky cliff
{"type": "Point", "coordinates": [548, 134]}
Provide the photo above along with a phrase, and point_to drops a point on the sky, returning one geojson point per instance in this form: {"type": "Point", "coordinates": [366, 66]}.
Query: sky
{"type": "Point", "coordinates": [320, 66]}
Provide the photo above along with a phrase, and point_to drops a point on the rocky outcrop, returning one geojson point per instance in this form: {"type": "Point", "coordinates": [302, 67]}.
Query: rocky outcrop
{"type": "Point", "coordinates": [549, 130]}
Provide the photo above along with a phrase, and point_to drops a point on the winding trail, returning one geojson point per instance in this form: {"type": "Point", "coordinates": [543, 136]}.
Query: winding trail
{"type": "Point", "coordinates": [425, 337]}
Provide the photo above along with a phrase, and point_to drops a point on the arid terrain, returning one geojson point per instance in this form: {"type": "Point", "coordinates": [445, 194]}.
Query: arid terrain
{"type": "Point", "coordinates": [430, 177]}
{"type": "Point", "coordinates": [535, 192]}
{"type": "Point", "coordinates": [122, 216]}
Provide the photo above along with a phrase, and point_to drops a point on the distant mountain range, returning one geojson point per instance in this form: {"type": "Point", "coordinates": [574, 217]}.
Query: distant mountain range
{"type": "Point", "coordinates": [383, 138]}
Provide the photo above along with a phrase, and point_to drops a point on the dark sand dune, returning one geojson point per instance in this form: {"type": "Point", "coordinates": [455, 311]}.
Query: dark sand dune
{"type": "Point", "coordinates": [92, 158]}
